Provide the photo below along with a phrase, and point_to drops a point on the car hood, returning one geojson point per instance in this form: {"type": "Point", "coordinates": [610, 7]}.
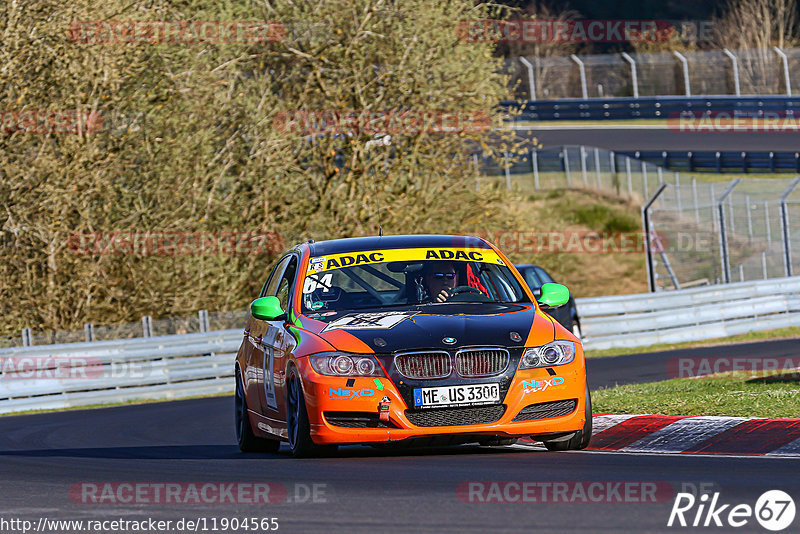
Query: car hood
{"type": "Point", "coordinates": [435, 326]}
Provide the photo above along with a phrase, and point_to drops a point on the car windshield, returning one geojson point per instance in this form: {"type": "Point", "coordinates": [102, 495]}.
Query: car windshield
{"type": "Point", "coordinates": [402, 277]}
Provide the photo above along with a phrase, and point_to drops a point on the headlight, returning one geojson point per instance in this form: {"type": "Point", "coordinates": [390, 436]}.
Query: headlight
{"type": "Point", "coordinates": [342, 364]}
{"type": "Point", "coordinates": [555, 353]}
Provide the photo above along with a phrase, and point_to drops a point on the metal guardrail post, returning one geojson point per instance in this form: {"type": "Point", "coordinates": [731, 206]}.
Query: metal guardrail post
{"type": "Point", "coordinates": [582, 69]}
{"type": "Point", "coordinates": [531, 85]}
{"type": "Point", "coordinates": [735, 63]}
{"type": "Point", "coordinates": [686, 86]}
{"type": "Point", "coordinates": [147, 326]}
{"type": "Point", "coordinates": [634, 78]}
{"type": "Point", "coordinates": [27, 338]}
{"type": "Point", "coordinates": [787, 244]}
{"type": "Point", "coordinates": [785, 60]}
{"type": "Point", "coordinates": [202, 315]}
{"type": "Point", "coordinates": [88, 330]}
{"type": "Point", "coordinates": [535, 165]}
{"type": "Point", "coordinates": [651, 271]}
{"type": "Point", "coordinates": [723, 237]}
{"type": "Point", "coordinates": [565, 154]}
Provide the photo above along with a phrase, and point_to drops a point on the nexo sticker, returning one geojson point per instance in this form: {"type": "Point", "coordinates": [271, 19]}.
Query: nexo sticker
{"type": "Point", "coordinates": [532, 386]}
{"type": "Point", "coordinates": [349, 394]}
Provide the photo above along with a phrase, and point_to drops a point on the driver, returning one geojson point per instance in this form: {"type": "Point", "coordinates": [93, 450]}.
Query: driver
{"type": "Point", "coordinates": [440, 277]}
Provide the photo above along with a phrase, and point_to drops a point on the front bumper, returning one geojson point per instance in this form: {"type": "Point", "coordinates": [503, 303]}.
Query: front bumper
{"type": "Point", "coordinates": [344, 411]}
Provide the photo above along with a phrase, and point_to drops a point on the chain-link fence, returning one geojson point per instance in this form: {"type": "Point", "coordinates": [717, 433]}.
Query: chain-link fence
{"type": "Point", "coordinates": [701, 232]}
{"type": "Point", "coordinates": [760, 71]}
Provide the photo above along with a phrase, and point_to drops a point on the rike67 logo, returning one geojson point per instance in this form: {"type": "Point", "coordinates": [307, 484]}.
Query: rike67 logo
{"type": "Point", "coordinates": [774, 510]}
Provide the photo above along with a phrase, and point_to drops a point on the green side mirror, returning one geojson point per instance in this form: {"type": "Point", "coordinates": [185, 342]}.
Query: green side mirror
{"type": "Point", "coordinates": [554, 295]}
{"type": "Point", "coordinates": [267, 309]}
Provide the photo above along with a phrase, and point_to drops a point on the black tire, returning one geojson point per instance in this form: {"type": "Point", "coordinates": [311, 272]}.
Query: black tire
{"type": "Point", "coordinates": [581, 438]}
{"type": "Point", "coordinates": [248, 441]}
{"type": "Point", "coordinates": [297, 421]}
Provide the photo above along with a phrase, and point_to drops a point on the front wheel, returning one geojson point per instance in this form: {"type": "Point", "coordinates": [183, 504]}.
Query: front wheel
{"type": "Point", "coordinates": [297, 421]}
{"type": "Point", "coordinates": [248, 441]}
{"type": "Point", "coordinates": [580, 440]}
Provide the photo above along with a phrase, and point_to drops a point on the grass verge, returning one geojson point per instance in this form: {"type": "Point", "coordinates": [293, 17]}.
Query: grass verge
{"type": "Point", "coordinates": [740, 395]}
{"type": "Point", "coordinates": [792, 332]}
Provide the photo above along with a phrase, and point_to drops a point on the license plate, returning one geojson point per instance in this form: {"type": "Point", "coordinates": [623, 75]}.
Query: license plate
{"type": "Point", "coordinates": [467, 395]}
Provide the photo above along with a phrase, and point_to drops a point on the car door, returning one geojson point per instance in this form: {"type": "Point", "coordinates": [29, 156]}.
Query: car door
{"type": "Point", "coordinates": [260, 356]}
{"type": "Point", "coordinates": [272, 342]}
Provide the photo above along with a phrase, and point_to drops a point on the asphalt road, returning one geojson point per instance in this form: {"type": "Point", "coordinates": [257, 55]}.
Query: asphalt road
{"type": "Point", "coordinates": [48, 460]}
{"type": "Point", "coordinates": [627, 139]}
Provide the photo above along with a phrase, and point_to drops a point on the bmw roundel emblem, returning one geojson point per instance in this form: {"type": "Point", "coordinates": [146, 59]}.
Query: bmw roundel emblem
{"type": "Point", "coordinates": [449, 340]}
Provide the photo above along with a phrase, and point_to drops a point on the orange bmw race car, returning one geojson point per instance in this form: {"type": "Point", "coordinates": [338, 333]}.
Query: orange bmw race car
{"type": "Point", "coordinates": [419, 339]}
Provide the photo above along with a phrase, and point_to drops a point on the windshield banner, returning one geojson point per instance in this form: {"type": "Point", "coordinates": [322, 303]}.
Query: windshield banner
{"type": "Point", "coordinates": [319, 264]}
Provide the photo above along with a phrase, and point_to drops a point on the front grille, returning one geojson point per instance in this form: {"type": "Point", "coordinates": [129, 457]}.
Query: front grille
{"type": "Point", "coordinates": [473, 415]}
{"type": "Point", "coordinates": [546, 410]}
{"type": "Point", "coordinates": [357, 420]}
{"type": "Point", "coordinates": [476, 363]}
{"type": "Point", "coordinates": [423, 364]}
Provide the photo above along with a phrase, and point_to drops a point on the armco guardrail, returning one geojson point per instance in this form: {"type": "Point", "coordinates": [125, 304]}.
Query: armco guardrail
{"type": "Point", "coordinates": [101, 372]}
{"type": "Point", "coordinates": [689, 314]}
{"type": "Point", "coordinates": [728, 161]}
{"type": "Point", "coordinates": [171, 367]}
{"type": "Point", "coordinates": [651, 107]}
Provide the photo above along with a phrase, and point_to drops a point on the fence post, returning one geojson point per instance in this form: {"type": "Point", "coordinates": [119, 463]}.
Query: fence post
{"type": "Point", "coordinates": [749, 221]}
{"type": "Point", "coordinates": [583, 166]}
{"type": "Point", "coordinates": [764, 264]}
{"type": "Point", "coordinates": [27, 338]}
{"type": "Point", "coordinates": [766, 220]}
{"type": "Point", "coordinates": [566, 165]}
{"type": "Point", "coordinates": [787, 79]}
{"type": "Point", "coordinates": [686, 87]}
{"type": "Point", "coordinates": [628, 172]}
{"type": "Point", "coordinates": [507, 170]}
{"type": "Point", "coordinates": [735, 63]}
{"type": "Point", "coordinates": [582, 69]}
{"type": "Point", "coordinates": [203, 316]}
{"type": "Point", "coordinates": [634, 79]}
{"type": "Point", "coordinates": [597, 167]}
{"type": "Point", "coordinates": [678, 194]}
{"type": "Point", "coordinates": [613, 158]}
{"type": "Point", "coordinates": [787, 244]}
{"type": "Point", "coordinates": [741, 272]}
{"type": "Point", "coordinates": [696, 201]}
{"type": "Point", "coordinates": [651, 270]}
{"type": "Point", "coordinates": [535, 165]}
{"type": "Point", "coordinates": [644, 179]}
{"type": "Point", "coordinates": [723, 237]}
{"type": "Point", "coordinates": [531, 85]}
{"type": "Point", "coordinates": [147, 326]}
{"type": "Point", "coordinates": [88, 330]}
